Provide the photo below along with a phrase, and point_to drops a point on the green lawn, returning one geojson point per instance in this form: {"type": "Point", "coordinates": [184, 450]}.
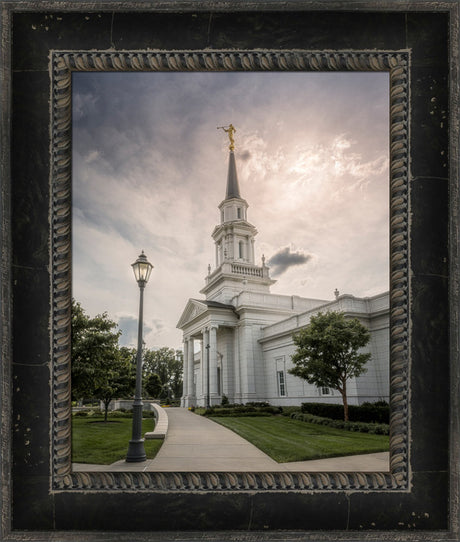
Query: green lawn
{"type": "Point", "coordinates": [286, 440]}
{"type": "Point", "coordinates": [94, 441]}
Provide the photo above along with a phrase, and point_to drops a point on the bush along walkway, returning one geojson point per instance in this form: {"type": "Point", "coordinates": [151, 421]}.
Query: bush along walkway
{"type": "Point", "coordinates": [365, 415]}
{"type": "Point", "coordinates": [367, 412]}
{"type": "Point", "coordinates": [362, 427]}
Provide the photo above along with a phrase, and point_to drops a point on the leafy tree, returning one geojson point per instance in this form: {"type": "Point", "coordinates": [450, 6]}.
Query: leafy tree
{"type": "Point", "coordinates": [119, 381]}
{"type": "Point", "coordinates": [328, 352]}
{"type": "Point", "coordinates": [167, 363]}
{"type": "Point", "coordinates": [177, 374]}
{"type": "Point", "coordinates": [100, 369]}
{"type": "Point", "coordinates": [153, 385]}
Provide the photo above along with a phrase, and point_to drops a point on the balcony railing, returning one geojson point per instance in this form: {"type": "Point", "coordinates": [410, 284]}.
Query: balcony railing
{"type": "Point", "coordinates": [241, 269]}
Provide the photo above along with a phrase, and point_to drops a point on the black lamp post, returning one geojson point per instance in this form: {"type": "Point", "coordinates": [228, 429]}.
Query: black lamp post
{"type": "Point", "coordinates": [208, 399]}
{"type": "Point", "coordinates": [136, 452]}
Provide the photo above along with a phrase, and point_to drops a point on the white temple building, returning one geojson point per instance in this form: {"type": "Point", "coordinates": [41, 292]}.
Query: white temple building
{"type": "Point", "coordinates": [245, 332]}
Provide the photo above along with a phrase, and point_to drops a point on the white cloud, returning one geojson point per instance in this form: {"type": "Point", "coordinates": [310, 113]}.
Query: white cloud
{"type": "Point", "coordinates": [150, 170]}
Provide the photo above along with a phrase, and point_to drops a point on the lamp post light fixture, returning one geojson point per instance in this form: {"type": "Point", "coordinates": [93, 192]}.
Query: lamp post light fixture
{"type": "Point", "coordinates": [136, 452]}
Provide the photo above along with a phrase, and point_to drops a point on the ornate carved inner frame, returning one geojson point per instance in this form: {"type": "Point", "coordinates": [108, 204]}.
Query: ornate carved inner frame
{"type": "Point", "coordinates": [419, 493]}
{"type": "Point", "coordinates": [64, 63]}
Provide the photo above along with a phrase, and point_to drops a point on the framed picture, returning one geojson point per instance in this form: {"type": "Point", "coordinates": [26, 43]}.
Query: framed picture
{"type": "Point", "coordinates": [414, 47]}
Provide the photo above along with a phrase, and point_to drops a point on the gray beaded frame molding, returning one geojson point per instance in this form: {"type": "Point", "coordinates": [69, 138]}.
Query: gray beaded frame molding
{"type": "Point", "coordinates": [62, 64]}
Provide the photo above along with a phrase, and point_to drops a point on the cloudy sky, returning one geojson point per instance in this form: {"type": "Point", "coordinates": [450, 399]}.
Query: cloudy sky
{"type": "Point", "coordinates": [150, 167]}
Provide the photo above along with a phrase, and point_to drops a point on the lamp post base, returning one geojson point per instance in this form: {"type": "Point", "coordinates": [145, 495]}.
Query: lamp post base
{"type": "Point", "coordinates": [136, 451]}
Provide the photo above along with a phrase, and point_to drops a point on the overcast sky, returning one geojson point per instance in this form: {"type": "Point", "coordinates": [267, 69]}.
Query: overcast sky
{"type": "Point", "coordinates": [150, 167]}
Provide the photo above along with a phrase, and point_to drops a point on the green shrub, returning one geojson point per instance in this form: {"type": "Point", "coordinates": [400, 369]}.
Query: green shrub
{"type": "Point", "coordinates": [377, 404]}
{"type": "Point", "coordinates": [367, 412]}
{"type": "Point", "coordinates": [377, 429]}
{"type": "Point", "coordinates": [255, 414]}
{"type": "Point", "coordinates": [288, 410]}
{"type": "Point", "coordinates": [120, 414]}
{"type": "Point", "coordinates": [249, 409]}
{"type": "Point", "coordinates": [87, 413]}
{"type": "Point", "coordinates": [380, 429]}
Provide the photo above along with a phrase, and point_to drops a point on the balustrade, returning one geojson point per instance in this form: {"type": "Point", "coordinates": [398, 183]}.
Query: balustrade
{"type": "Point", "coordinates": [241, 269]}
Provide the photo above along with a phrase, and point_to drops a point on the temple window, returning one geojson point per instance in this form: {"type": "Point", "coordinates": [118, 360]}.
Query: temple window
{"type": "Point", "coordinates": [281, 383]}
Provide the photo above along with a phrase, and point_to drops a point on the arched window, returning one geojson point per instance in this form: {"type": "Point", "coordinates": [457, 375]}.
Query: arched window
{"type": "Point", "coordinates": [238, 212]}
{"type": "Point", "coordinates": [241, 250]}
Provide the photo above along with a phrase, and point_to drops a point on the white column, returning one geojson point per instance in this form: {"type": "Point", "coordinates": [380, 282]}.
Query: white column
{"type": "Point", "coordinates": [247, 364]}
{"type": "Point", "coordinates": [204, 376]}
{"type": "Point", "coordinates": [190, 370]}
{"type": "Point", "coordinates": [236, 363]}
{"type": "Point", "coordinates": [217, 255]}
{"type": "Point", "coordinates": [213, 363]}
{"type": "Point", "coordinates": [252, 251]}
{"type": "Point", "coordinates": [236, 252]}
{"type": "Point", "coordinates": [198, 385]}
{"type": "Point", "coordinates": [225, 363]}
{"type": "Point", "coordinates": [185, 373]}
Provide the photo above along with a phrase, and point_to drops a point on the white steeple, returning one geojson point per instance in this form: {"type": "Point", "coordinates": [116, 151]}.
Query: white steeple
{"type": "Point", "coordinates": [234, 240]}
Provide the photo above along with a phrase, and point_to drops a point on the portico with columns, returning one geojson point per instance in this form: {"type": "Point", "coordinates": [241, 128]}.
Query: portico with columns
{"type": "Point", "coordinates": [238, 339]}
{"type": "Point", "coordinates": [209, 331]}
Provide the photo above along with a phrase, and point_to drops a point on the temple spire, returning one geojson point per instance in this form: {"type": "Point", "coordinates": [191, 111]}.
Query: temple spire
{"type": "Point", "coordinates": [233, 189]}
{"type": "Point", "coordinates": [234, 239]}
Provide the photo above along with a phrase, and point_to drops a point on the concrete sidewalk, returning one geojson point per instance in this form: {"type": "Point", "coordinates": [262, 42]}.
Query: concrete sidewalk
{"type": "Point", "coordinates": [195, 444]}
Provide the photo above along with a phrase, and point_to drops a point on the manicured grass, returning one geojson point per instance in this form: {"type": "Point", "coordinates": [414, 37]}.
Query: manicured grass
{"type": "Point", "coordinates": [94, 441]}
{"type": "Point", "coordinates": [286, 440]}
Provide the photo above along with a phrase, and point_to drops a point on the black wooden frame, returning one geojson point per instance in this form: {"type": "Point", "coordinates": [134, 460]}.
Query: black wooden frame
{"type": "Point", "coordinates": [49, 502]}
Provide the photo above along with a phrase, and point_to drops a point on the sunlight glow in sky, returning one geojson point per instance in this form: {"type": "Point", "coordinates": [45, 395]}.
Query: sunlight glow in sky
{"type": "Point", "coordinates": [149, 171]}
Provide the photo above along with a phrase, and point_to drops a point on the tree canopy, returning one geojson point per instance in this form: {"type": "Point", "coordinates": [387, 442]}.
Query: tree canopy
{"type": "Point", "coordinates": [328, 353]}
{"type": "Point", "coordinates": [153, 386]}
{"type": "Point", "coordinates": [103, 370]}
{"type": "Point", "coordinates": [100, 369]}
{"type": "Point", "coordinates": [167, 363]}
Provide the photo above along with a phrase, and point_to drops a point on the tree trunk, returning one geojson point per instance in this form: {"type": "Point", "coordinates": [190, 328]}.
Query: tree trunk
{"type": "Point", "coordinates": [106, 409]}
{"type": "Point", "coordinates": [343, 391]}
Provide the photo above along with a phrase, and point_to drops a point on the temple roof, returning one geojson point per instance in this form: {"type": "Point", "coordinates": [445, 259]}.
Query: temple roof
{"type": "Point", "coordinates": [214, 304]}
{"type": "Point", "coordinates": [233, 190]}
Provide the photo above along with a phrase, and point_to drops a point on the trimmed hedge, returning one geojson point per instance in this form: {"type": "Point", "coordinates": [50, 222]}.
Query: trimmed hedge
{"type": "Point", "coordinates": [288, 410]}
{"type": "Point", "coordinates": [373, 428]}
{"type": "Point", "coordinates": [367, 412]}
{"type": "Point", "coordinates": [256, 414]}
{"type": "Point", "coordinates": [249, 409]}
{"type": "Point", "coordinates": [122, 413]}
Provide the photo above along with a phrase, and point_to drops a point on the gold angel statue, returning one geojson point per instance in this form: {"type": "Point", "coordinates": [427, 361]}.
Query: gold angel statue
{"type": "Point", "coordinates": [230, 130]}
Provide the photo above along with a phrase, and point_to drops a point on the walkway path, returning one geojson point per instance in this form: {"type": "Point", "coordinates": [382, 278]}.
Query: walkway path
{"type": "Point", "coordinates": [196, 444]}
